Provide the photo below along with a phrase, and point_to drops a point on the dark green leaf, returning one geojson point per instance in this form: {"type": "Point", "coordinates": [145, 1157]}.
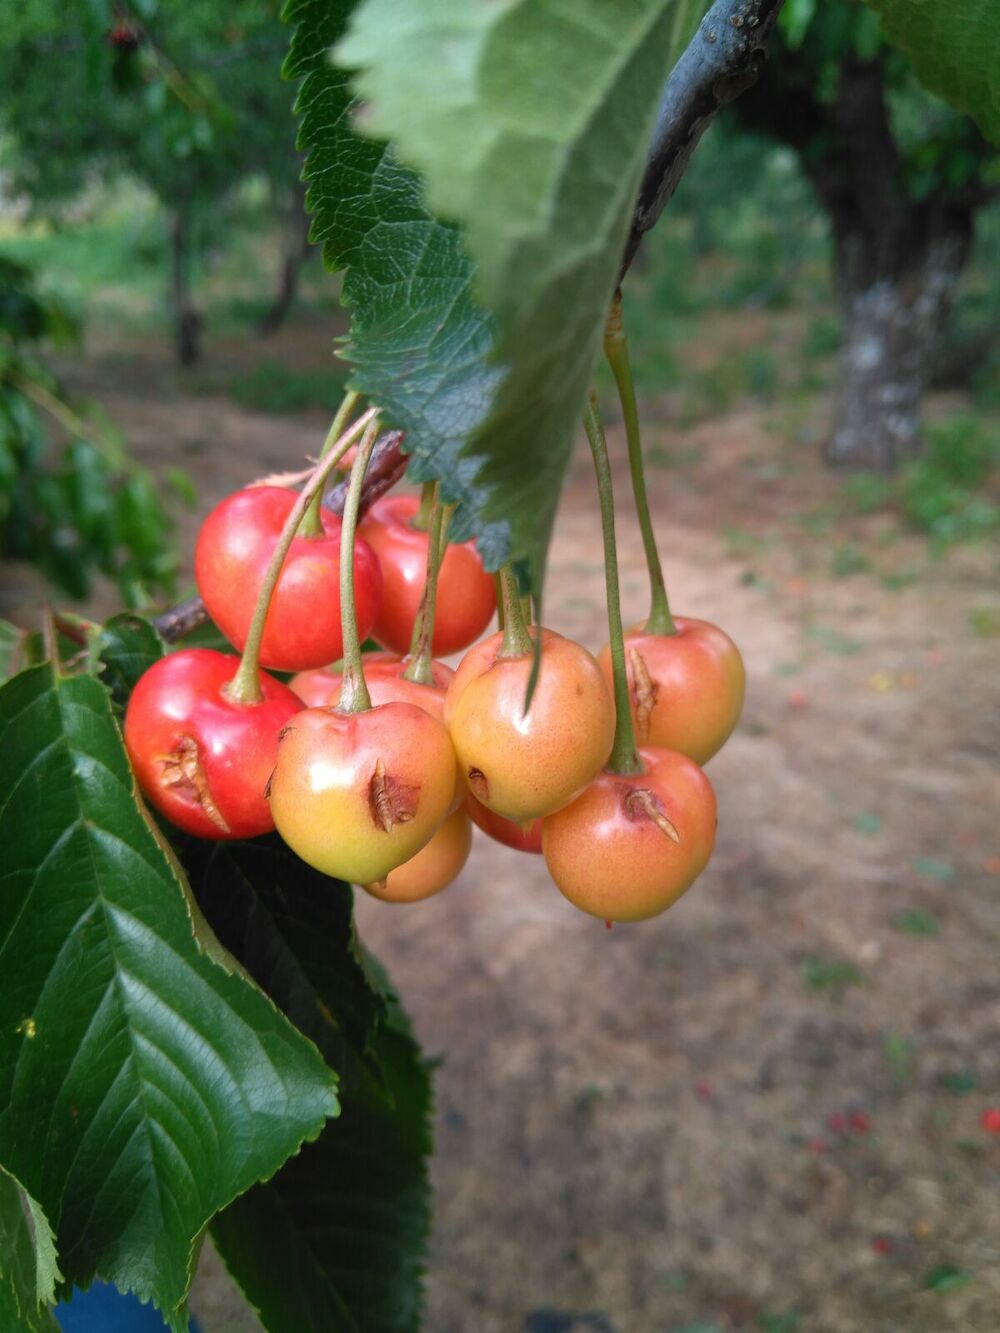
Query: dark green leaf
{"type": "Point", "coordinates": [128, 646]}
{"type": "Point", "coordinates": [12, 643]}
{"type": "Point", "coordinates": [955, 49]}
{"type": "Point", "coordinates": [28, 1269]}
{"type": "Point", "coordinates": [945, 1277]}
{"type": "Point", "coordinates": [144, 1082]}
{"type": "Point", "coordinates": [335, 1241]}
{"type": "Point", "coordinates": [530, 127]}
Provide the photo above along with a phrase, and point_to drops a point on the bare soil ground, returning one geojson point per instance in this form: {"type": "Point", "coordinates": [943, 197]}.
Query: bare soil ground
{"type": "Point", "coordinates": [763, 1110]}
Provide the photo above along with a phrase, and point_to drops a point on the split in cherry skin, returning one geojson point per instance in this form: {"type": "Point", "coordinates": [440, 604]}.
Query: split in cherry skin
{"type": "Point", "coordinates": [200, 758]}
{"type": "Point", "coordinates": [686, 689]}
{"type": "Point", "coordinates": [466, 597]}
{"type": "Point", "coordinates": [631, 844]}
{"type": "Point", "coordinates": [303, 626]}
{"type": "Point", "coordinates": [525, 764]}
{"type": "Point", "coordinates": [357, 794]}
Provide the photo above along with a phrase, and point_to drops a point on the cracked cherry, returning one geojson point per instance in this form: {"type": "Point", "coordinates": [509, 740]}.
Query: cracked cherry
{"type": "Point", "coordinates": [303, 629]}
{"type": "Point", "coordinates": [200, 758]}
{"type": "Point", "coordinates": [524, 765]}
{"type": "Point", "coordinates": [466, 597]}
{"type": "Point", "coordinates": [434, 866]}
{"type": "Point", "coordinates": [523, 838]}
{"type": "Point", "coordinates": [631, 844]}
{"type": "Point", "coordinates": [686, 689]}
{"type": "Point", "coordinates": [357, 794]}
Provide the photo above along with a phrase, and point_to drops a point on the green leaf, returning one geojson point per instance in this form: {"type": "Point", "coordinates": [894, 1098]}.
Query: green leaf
{"type": "Point", "coordinates": [28, 1268]}
{"type": "Point", "coordinates": [128, 646]}
{"type": "Point", "coordinates": [143, 1083]}
{"type": "Point", "coordinates": [916, 921]}
{"type": "Point", "coordinates": [529, 121]}
{"type": "Point", "coordinates": [335, 1241]}
{"type": "Point", "coordinates": [11, 648]}
{"type": "Point", "coordinates": [945, 1277]}
{"type": "Point", "coordinates": [955, 49]}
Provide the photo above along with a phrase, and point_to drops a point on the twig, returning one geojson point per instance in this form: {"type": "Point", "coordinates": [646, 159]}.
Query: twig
{"type": "Point", "coordinates": [723, 58]}
{"type": "Point", "coordinates": [386, 468]}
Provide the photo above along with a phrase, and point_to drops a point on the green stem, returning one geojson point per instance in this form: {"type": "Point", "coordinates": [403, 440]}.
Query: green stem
{"type": "Point", "coordinates": [420, 662]}
{"type": "Point", "coordinates": [421, 520]}
{"type": "Point", "coordinates": [624, 753]}
{"type": "Point", "coordinates": [312, 523]}
{"type": "Point", "coordinates": [516, 639]}
{"type": "Point", "coordinates": [244, 688]}
{"type": "Point", "coordinates": [498, 593]}
{"type": "Point", "coordinates": [616, 350]}
{"type": "Point", "coordinates": [354, 696]}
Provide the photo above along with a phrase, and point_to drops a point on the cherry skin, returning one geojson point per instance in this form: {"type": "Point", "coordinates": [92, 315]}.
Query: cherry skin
{"type": "Point", "coordinates": [527, 839]}
{"type": "Point", "coordinates": [302, 630]}
{"type": "Point", "coordinates": [629, 846]}
{"type": "Point", "coordinates": [466, 598]}
{"type": "Point", "coordinates": [522, 765]}
{"type": "Point", "coordinates": [201, 759]}
{"type": "Point", "coordinates": [385, 680]}
{"type": "Point", "coordinates": [434, 866]}
{"type": "Point", "coordinates": [357, 794]}
{"type": "Point", "coordinates": [686, 688]}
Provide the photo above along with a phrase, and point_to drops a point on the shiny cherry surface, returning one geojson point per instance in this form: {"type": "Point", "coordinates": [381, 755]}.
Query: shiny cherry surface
{"type": "Point", "coordinates": [629, 846]}
{"type": "Point", "coordinates": [302, 630]}
{"type": "Point", "coordinates": [466, 597]}
{"type": "Point", "coordinates": [201, 759]}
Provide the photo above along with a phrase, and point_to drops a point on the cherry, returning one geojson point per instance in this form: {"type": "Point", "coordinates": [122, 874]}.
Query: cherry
{"type": "Point", "coordinates": [466, 595]}
{"type": "Point", "coordinates": [357, 794]}
{"type": "Point", "coordinates": [302, 629]}
{"type": "Point", "coordinates": [629, 846]}
{"type": "Point", "coordinates": [526, 764]}
{"type": "Point", "coordinates": [522, 839]}
{"type": "Point", "coordinates": [358, 790]}
{"type": "Point", "coordinates": [384, 674]}
{"type": "Point", "coordinates": [685, 689]}
{"type": "Point", "coordinates": [200, 757]}
{"type": "Point", "coordinates": [434, 866]}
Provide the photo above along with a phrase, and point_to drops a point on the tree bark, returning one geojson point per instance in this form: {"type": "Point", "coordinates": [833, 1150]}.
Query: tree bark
{"type": "Point", "coordinates": [187, 320]}
{"type": "Point", "coordinates": [291, 270]}
{"type": "Point", "coordinates": [893, 320]}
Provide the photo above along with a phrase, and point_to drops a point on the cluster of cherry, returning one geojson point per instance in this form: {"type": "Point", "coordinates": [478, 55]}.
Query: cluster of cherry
{"type": "Point", "coordinates": [372, 769]}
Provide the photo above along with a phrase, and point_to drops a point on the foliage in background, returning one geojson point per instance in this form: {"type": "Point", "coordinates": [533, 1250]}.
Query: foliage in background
{"type": "Point", "coordinates": [81, 506]}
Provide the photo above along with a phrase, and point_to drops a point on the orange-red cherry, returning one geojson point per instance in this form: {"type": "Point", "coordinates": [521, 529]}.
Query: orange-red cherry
{"type": "Point", "coordinates": [434, 866]}
{"type": "Point", "coordinates": [302, 630]}
{"type": "Point", "coordinates": [629, 846]}
{"type": "Point", "coordinates": [357, 794]}
{"type": "Point", "coordinates": [201, 759]}
{"type": "Point", "coordinates": [466, 597]}
{"type": "Point", "coordinates": [686, 689]}
{"type": "Point", "coordinates": [527, 838]}
{"type": "Point", "coordinates": [526, 764]}
{"type": "Point", "coordinates": [384, 675]}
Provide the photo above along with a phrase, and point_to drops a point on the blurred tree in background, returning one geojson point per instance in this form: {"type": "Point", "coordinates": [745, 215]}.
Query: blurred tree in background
{"type": "Point", "coordinates": [185, 98]}
{"type": "Point", "coordinates": [901, 178]}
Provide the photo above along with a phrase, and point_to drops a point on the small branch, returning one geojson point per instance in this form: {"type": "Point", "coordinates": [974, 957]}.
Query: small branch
{"type": "Point", "coordinates": [722, 60]}
{"type": "Point", "coordinates": [386, 468]}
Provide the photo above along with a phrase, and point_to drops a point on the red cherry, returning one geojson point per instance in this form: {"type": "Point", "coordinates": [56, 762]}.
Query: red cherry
{"type": "Point", "coordinates": [385, 680]}
{"type": "Point", "coordinates": [505, 830]}
{"type": "Point", "coordinates": [303, 623]}
{"type": "Point", "coordinates": [201, 759]}
{"type": "Point", "coordinates": [630, 845]}
{"type": "Point", "coordinates": [466, 598]}
{"type": "Point", "coordinates": [860, 1123]}
{"type": "Point", "coordinates": [686, 688]}
{"type": "Point", "coordinates": [991, 1120]}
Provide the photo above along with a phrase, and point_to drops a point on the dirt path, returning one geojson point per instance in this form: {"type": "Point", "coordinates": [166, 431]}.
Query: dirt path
{"type": "Point", "coordinates": [761, 1111]}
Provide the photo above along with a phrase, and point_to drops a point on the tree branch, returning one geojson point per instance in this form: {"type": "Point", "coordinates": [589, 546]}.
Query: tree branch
{"type": "Point", "coordinates": [723, 58]}
{"type": "Point", "coordinates": [388, 463]}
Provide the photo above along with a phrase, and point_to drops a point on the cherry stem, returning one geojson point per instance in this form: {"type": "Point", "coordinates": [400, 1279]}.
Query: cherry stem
{"type": "Point", "coordinates": [312, 523]}
{"type": "Point", "coordinates": [616, 351]}
{"type": "Point", "coordinates": [244, 688]}
{"type": "Point", "coordinates": [423, 518]}
{"type": "Point", "coordinates": [420, 661]}
{"type": "Point", "coordinates": [354, 696]}
{"type": "Point", "coordinates": [516, 640]}
{"type": "Point", "coordinates": [624, 753]}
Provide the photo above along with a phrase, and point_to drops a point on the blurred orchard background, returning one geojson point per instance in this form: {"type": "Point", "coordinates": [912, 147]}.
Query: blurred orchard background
{"type": "Point", "coordinates": [778, 1107]}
